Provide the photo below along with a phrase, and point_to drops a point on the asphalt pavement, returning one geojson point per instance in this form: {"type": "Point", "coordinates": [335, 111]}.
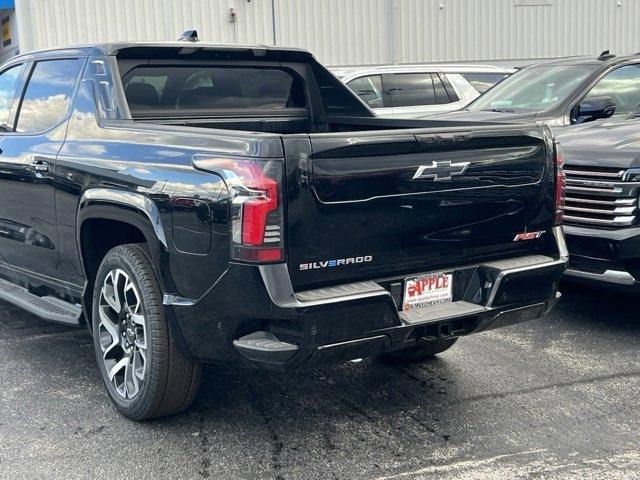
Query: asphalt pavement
{"type": "Point", "coordinates": [554, 398]}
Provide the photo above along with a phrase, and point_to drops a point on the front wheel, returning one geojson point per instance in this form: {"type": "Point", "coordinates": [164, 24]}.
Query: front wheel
{"type": "Point", "coordinates": [422, 352]}
{"type": "Point", "coordinates": [145, 372]}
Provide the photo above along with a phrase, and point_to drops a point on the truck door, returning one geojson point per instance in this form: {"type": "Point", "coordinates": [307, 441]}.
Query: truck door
{"type": "Point", "coordinates": [11, 84]}
{"type": "Point", "coordinates": [28, 146]}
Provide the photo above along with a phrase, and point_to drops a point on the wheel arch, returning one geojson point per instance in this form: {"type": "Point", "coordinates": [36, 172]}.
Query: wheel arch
{"type": "Point", "coordinates": [109, 217]}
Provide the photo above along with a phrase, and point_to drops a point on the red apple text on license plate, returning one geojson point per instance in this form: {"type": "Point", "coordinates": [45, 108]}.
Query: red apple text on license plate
{"type": "Point", "coordinates": [426, 290]}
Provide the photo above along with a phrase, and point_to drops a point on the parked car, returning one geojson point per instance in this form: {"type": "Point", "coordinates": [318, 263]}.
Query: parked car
{"type": "Point", "coordinates": [562, 92]}
{"type": "Point", "coordinates": [411, 91]}
{"type": "Point", "coordinates": [193, 203]}
{"type": "Point", "coordinates": [602, 165]}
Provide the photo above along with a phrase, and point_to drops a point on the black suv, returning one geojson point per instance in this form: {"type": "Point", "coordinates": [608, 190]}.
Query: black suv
{"type": "Point", "coordinates": [602, 216]}
{"type": "Point", "coordinates": [561, 92]}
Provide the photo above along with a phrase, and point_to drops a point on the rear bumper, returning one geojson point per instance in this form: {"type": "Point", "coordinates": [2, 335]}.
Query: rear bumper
{"type": "Point", "coordinates": [604, 257]}
{"type": "Point", "coordinates": [253, 317]}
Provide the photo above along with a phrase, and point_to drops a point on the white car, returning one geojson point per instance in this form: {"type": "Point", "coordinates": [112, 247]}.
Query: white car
{"type": "Point", "coordinates": [412, 91]}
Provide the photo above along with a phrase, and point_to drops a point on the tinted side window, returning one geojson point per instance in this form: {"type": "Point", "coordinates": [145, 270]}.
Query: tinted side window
{"type": "Point", "coordinates": [453, 96]}
{"type": "Point", "coordinates": [368, 89]}
{"type": "Point", "coordinates": [412, 89]}
{"type": "Point", "coordinates": [441, 93]}
{"type": "Point", "coordinates": [483, 81]}
{"type": "Point", "coordinates": [8, 85]}
{"type": "Point", "coordinates": [623, 85]}
{"type": "Point", "coordinates": [47, 98]}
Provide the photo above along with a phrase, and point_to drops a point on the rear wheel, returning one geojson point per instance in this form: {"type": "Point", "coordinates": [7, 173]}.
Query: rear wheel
{"type": "Point", "coordinates": [145, 372]}
{"type": "Point", "coordinates": [422, 352]}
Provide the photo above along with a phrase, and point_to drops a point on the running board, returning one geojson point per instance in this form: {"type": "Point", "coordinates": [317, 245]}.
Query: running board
{"type": "Point", "coordinates": [47, 308]}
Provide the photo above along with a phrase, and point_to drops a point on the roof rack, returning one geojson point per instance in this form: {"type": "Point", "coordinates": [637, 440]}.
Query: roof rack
{"type": "Point", "coordinates": [606, 55]}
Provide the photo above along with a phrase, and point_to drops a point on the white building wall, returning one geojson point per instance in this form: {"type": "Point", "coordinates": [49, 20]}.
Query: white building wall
{"type": "Point", "coordinates": [6, 52]}
{"type": "Point", "coordinates": [348, 32]}
{"type": "Point", "coordinates": [500, 29]}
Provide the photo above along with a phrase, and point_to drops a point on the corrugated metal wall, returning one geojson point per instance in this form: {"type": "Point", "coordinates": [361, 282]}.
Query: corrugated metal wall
{"type": "Point", "coordinates": [348, 32]}
{"type": "Point", "coordinates": [498, 29]}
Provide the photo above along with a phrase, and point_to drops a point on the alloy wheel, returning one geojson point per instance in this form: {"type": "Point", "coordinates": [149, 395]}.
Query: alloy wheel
{"type": "Point", "coordinates": [122, 333]}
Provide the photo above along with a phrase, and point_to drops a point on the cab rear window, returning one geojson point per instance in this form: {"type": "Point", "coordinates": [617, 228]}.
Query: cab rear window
{"type": "Point", "coordinates": [184, 89]}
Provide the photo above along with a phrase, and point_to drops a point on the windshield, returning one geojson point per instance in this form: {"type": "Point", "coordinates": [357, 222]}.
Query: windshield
{"type": "Point", "coordinates": [533, 89]}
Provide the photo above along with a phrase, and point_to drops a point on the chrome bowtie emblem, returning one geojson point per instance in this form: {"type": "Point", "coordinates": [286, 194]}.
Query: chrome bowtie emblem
{"type": "Point", "coordinates": [440, 170]}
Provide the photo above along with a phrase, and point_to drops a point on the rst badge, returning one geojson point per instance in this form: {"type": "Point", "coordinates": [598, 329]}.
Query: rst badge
{"type": "Point", "coordinates": [527, 236]}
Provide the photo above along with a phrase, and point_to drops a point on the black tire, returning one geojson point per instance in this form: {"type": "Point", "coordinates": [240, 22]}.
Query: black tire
{"type": "Point", "coordinates": [420, 353]}
{"type": "Point", "coordinates": [170, 379]}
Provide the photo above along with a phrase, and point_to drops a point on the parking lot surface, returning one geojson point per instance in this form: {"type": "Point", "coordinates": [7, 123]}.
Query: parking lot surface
{"type": "Point", "coordinates": [553, 398]}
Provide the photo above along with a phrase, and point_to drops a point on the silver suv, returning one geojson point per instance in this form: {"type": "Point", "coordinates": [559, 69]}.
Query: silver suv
{"type": "Point", "coordinates": [412, 91]}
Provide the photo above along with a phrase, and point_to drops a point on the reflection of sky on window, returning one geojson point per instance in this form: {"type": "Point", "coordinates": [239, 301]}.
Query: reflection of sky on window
{"type": "Point", "coordinates": [8, 84]}
{"type": "Point", "coordinates": [47, 98]}
{"type": "Point", "coordinates": [623, 85]}
{"type": "Point", "coordinates": [38, 114]}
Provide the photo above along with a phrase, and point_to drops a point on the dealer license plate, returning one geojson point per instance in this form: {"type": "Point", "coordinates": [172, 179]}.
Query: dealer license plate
{"type": "Point", "coordinates": [431, 289]}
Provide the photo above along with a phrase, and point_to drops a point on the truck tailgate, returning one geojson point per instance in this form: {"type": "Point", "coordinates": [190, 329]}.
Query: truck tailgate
{"type": "Point", "coordinates": [378, 204]}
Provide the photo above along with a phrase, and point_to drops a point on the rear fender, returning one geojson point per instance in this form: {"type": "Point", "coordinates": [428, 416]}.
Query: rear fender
{"type": "Point", "coordinates": [132, 208]}
{"type": "Point", "coordinates": [138, 211]}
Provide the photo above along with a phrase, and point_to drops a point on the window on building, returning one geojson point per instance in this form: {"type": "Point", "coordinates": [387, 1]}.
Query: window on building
{"type": "Point", "coordinates": [622, 85]}
{"type": "Point", "coordinates": [483, 81]}
{"type": "Point", "coordinates": [369, 89]}
{"type": "Point", "coordinates": [47, 98]}
{"type": "Point", "coordinates": [9, 80]}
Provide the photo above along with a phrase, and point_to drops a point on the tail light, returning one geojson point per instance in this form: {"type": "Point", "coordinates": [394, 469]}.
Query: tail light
{"type": "Point", "coordinates": [255, 188]}
{"type": "Point", "coordinates": [561, 183]}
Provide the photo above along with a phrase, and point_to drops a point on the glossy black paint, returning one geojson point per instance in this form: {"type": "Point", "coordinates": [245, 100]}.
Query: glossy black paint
{"type": "Point", "coordinates": [320, 329]}
{"type": "Point", "coordinates": [348, 192]}
{"type": "Point", "coordinates": [595, 108]}
{"type": "Point", "coordinates": [356, 197]}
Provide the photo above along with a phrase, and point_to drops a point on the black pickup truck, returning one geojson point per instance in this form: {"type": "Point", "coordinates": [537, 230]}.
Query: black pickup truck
{"type": "Point", "coordinates": [193, 203]}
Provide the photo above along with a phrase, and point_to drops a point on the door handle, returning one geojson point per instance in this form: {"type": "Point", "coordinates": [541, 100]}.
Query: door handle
{"type": "Point", "coordinates": [40, 167]}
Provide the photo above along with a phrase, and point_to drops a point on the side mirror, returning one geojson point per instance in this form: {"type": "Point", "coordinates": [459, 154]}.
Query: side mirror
{"type": "Point", "coordinates": [596, 107]}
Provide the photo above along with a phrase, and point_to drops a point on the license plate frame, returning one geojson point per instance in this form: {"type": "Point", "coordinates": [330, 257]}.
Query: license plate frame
{"type": "Point", "coordinates": [427, 290]}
